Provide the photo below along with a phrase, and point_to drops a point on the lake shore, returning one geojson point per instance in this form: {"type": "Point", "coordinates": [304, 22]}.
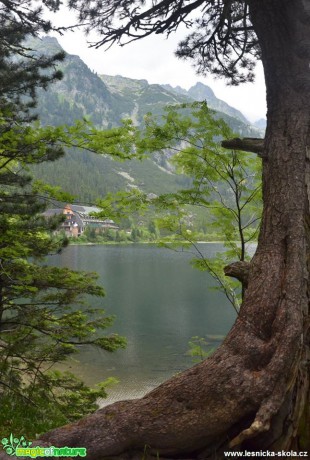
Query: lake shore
{"type": "Point", "coordinates": [151, 243]}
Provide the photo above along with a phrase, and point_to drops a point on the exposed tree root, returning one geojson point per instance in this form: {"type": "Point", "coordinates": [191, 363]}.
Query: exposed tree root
{"type": "Point", "coordinates": [202, 408]}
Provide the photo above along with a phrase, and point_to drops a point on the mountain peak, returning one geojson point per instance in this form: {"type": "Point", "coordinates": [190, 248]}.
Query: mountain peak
{"type": "Point", "coordinates": [50, 40]}
{"type": "Point", "coordinates": [261, 123]}
{"type": "Point", "coordinates": [201, 91]}
{"type": "Point", "coordinates": [45, 44]}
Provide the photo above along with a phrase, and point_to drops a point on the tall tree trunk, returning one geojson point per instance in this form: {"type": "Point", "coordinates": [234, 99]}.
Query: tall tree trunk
{"type": "Point", "coordinates": [254, 391]}
{"type": "Point", "coordinates": [284, 242]}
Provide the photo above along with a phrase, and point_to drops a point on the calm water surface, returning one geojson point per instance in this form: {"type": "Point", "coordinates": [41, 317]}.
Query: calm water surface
{"type": "Point", "coordinates": [160, 302]}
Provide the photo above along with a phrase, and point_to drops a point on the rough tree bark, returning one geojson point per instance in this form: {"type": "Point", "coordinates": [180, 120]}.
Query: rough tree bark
{"type": "Point", "coordinates": [253, 392]}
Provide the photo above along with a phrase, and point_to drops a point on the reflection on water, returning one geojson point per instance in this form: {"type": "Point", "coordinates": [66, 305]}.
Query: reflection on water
{"type": "Point", "coordinates": [160, 302]}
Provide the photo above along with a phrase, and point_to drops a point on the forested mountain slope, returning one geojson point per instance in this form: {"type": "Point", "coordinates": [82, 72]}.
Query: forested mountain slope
{"type": "Point", "coordinates": [105, 100]}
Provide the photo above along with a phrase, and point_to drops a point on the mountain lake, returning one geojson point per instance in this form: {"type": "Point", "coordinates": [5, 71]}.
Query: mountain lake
{"type": "Point", "coordinates": [160, 302]}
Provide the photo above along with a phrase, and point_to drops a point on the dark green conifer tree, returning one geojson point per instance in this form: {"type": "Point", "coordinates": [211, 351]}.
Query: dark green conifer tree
{"type": "Point", "coordinates": [43, 313]}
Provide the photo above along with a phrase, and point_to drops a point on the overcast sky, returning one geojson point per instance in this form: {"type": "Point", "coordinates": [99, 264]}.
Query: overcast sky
{"type": "Point", "coordinates": [153, 59]}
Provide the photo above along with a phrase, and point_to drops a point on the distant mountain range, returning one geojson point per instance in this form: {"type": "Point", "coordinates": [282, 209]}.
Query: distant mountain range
{"type": "Point", "coordinates": [106, 100]}
{"type": "Point", "coordinates": [201, 92]}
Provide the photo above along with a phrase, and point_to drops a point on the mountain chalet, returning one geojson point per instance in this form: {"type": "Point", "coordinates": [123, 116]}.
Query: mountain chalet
{"type": "Point", "coordinates": [78, 218]}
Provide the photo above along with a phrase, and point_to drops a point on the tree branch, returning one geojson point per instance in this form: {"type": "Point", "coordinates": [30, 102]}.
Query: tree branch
{"type": "Point", "coordinates": [239, 270]}
{"type": "Point", "coordinates": [248, 144]}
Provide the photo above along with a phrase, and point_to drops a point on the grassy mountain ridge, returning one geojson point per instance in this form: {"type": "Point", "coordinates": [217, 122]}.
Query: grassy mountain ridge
{"type": "Point", "coordinates": [142, 97]}
{"type": "Point", "coordinates": [153, 98]}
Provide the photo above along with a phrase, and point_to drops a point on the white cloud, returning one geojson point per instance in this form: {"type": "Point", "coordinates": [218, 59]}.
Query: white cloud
{"type": "Point", "coordinates": [153, 59]}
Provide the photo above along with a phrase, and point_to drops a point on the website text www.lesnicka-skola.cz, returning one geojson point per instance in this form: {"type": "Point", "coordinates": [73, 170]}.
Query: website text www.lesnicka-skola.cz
{"type": "Point", "coordinates": [266, 453]}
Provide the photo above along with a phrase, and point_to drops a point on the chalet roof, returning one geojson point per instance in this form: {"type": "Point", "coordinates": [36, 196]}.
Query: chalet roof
{"type": "Point", "coordinates": [53, 212]}
{"type": "Point", "coordinates": [84, 209]}
{"type": "Point", "coordinates": [81, 214]}
{"type": "Point", "coordinates": [109, 221]}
